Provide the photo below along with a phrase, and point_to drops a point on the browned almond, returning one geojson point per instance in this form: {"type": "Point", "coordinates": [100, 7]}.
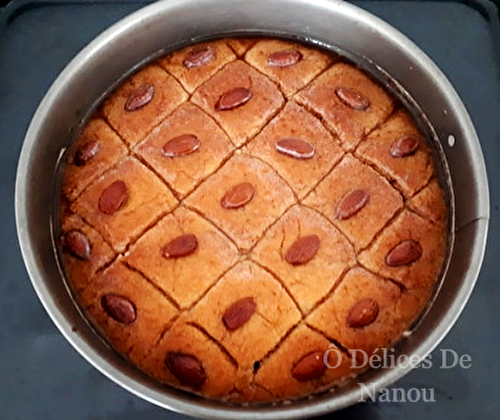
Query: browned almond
{"type": "Point", "coordinates": [186, 368]}
{"type": "Point", "coordinates": [113, 198]}
{"type": "Point", "coordinates": [140, 97]}
{"type": "Point", "coordinates": [303, 250]}
{"type": "Point", "coordinates": [405, 146]}
{"type": "Point", "coordinates": [184, 144]}
{"type": "Point", "coordinates": [86, 152]}
{"type": "Point", "coordinates": [404, 253]}
{"type": "Point", "coordinates": [239, 313]}
{"type": "Point", "coordinates": [351, 203]}
{"type": "Point", "coordinates": [238, 196]}
{"type": "Point", "coordinates": [233, 98]}
{"type": "Point", "coordinates": [352, 98]}
{"type": "Point", "coordinates": [363, 313]}
{"type": "Point", "coordinates": [296, 148]}
{"type": "Point", "coordinates": [311, 366]}
{"type": "Point", "coordinates": [78, 244]}
{"type": "Point", "coordinates": [181, 246]}
{"type": "Point", "coordinates": [119, 308]}
{"type": "Point", "coordinates": [199, 57]}
{"type": "Point", "coordinates": [284, 58]}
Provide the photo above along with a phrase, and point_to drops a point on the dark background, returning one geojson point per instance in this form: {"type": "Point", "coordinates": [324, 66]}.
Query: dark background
{"type": "Point", "coordinates": [43, 377]}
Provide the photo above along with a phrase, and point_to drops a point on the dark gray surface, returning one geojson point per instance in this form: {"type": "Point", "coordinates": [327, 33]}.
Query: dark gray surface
{"type": "Point", "coordinates": [43, 377]}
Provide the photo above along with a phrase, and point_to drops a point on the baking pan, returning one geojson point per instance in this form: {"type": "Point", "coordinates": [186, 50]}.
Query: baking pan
{"type": "Point", "coordinates": [399, 57]}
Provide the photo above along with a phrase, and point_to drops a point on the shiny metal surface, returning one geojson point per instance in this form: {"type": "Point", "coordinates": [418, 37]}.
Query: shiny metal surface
{"type": "Point", "coordinates": [164, 25]}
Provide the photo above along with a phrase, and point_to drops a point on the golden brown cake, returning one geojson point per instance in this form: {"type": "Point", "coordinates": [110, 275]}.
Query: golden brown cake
{"type": "Point", "coordinates": [242, 217]}
{"type": "Point", "coordinates": [295, 122]}
{"type": "Point", "coordinates": [223, 96]}
{"type": "Point", "coordinates": [128, 309]}
{"type": "Point", "coordinates": [123, 202]}
{"type": "Point", "coordinates": [349, 102]}
{"type": "Point", "coordinates": [350, 175]}
{"type": "Point", "coordinates": [183, 175]}
{"type": "Point", "coordinates": [97, 149]}
{"type": "Point", "coordinates": [301, 67]}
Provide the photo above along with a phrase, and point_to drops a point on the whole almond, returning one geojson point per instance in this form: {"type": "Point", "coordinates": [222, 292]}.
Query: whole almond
{"type": "Point", "coordinates": [352, 98]}
{"type": "Point", "coordinates": [404, 253]}
{"type": "Point", "coordinates": [119, 308]}
{"type": "Point", "coordinates": [296, 148]}
{"type": "Point", "coordinates": [199, 57]}
{"type": "Point", "coordinates": [77, 244]}
{"type": "Point", "coordinates": [363, 313]}
{"type": "Point", "coordinates": [238, 196]}
{"type": "Point", "coordinates": [184, 144]}
{"type": "Point", "coordinates": [86, 152]}
{"type": "Point", "coordinates": [186, 368]}
{"type": "Point", "coordinates": [311, 366]}
{"type": "Point", "coordinates": [140, 97]}
{"type": "Point", "coordinates": [233, 99]}
{"type": "Point", "coordinates": [405, 146]}
{"type": "Point", "coordinates": [284, 58]}
{"type": "Point", "coordinates": [303, 250]}
{"type": "Point", "coordinates": [180, 246]}
{"type": "Point", "coordinates": [351, 203]}
{"type": "Point", "coordinates": [113, 198]}
{"type": "Point", "coordinates": [239, 313]}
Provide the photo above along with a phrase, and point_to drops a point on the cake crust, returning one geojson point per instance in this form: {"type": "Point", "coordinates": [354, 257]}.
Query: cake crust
{"type": "Point", "coordinates": [165, 94]}
{"type": "Point", "coordinates": [182, 172]}
{"type": "Point", "coordinates": [410, 173]}
{"type": "Point", "coordinates": [243, 121]}
{"type": "Point", "coordinates": [136, 336]}
{"type": "Point", "coordinates": [351, 124]}
{"type": "Point", "coordinates": [101, 148]}
{"type": "Point", "coordinates": [294, 122]}
{"type": "Point", "coordinates": [382, 201]}
{"type": "Point", "coordinates": [145, 198]}
{"type": "Point", "coordinates": [290, 78]}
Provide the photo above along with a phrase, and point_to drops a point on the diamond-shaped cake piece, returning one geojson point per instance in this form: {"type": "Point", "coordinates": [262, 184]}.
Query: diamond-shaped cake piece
{"type": "Point", "coordinates": [365, 312]}
{"type": "Point", "coordinates": [142, 102]}
{"type": "Point", "coordinates": [186, 277]}
{"type": "Point", "coordinates": [359, 219]}
{"type": "Point", "coordinates": [123, 202]}
{"type": "Point", "coordinates": [307, 281]}
{"type": "Point", "coordinates": [301, 171]}
{"type": "Point", "coordinates": [411, 250]}
{"type": "Point", "coordinates": [250, 289]}
{"type": "Point", "coordinates": [128, 310]}
{"type": "Point", "coordinates": [243, 198]}
{"type": "Point", "coordinates": [410, 172]}
{"type": "Point", "coordinates": [194, 65]}
{"type": "Point", "coordinates": [185, 165]}
{"type": "Point", "coordinates": [84, 251]}
{"type": "Point", "coordinates": [289, 64]}
{"type": "Point", "coordinates": [97, 148]}
{"type": "Point", "coordinates": [430, 203]}
{"type": "Point", "coordinates": [369, 104]}
{"type": "Point", "coordinates": [215, 372]}
{"type": "Point", "coordinates": [240, 45]}
{"type": "Point", "coordinates": [240, 99]}
{"type": "Point", "coordinates": [283, 372]}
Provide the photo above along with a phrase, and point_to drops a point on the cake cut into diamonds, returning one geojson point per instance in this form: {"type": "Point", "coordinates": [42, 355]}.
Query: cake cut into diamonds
{"type": "Point", "coordinates": [241, 217]}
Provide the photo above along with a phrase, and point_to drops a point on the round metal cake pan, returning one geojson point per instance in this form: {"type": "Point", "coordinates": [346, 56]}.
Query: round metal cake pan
{"type": "Point", "coordinates": [161, 27]}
